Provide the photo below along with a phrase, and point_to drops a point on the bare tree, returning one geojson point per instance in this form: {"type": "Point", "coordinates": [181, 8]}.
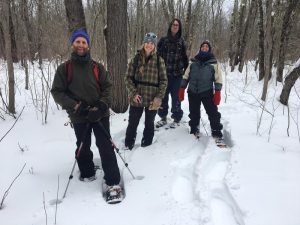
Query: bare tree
{"type": "Point", "coordinates": [75, 14]}
{"type": "Point", "coordinates": [285, 30]}
{"type": "Point", "coordinates": [247, 32]}
{"type": "Point", "coordinates": [116, 47]}
{"type": "Point", "coordinates": [269, 46]}
{"type": "Point", "coordinates": [4, 8]}
{"type": "Point", "coordinates": [261, 35]}
{"type": "Point", "coordinates": [289, 83]}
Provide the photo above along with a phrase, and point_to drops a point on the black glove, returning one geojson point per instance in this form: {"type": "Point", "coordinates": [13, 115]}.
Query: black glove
{"type": "Point", "coordinates": [95, 115]}
{"type": "Point", "coordinates": [83, 109]}
{"type": "Point", "coordinates": [102, 106]}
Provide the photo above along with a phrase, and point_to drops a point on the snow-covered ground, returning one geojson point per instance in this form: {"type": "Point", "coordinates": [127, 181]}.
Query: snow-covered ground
{"type": "Point", "coordinates": [186, 181]}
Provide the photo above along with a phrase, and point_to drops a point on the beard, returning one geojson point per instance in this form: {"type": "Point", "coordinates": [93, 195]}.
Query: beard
{"type": "Point", "coordinates": [80, 50]}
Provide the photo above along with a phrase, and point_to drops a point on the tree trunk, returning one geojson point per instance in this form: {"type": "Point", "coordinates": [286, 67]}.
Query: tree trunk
{"type": "Point", "coordinates": [28, 30]}
{"type": "Point", "coordinates": [286, 25]}
{"type": "Point", "coordinates": [75, 15]}
{"type": "Point", "coordinates": [261, 36]}
{"type": "Point", "coordinates": [269, 41]}
{"type": "Point", "coordinates": [116, 46]}
{"type": "Point", "coordinates": [40, 31]}
{"type": "Point", "coordinates": [289, 83]}
{"type": "Point", "coordinates": [239, 33]}
{"type": "Point", "coordinates": [233, 27]}
{"type": "Point", "coordinates": [8, 52]}
{"type": "Point", "coordinates": [2, 43]}
{"type": "Point", "coordinates": [14, 51]}
{"type": "Point", "coordinates": [248, 28]}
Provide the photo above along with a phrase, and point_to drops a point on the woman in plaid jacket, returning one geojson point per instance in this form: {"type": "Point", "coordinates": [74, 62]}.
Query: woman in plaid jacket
{"type": "Point", "coordinates": [146, 82]}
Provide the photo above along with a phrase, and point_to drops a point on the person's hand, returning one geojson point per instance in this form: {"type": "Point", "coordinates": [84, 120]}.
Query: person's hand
{"type": "Point", "coordinates": [181, 94]}
{"type": "Point", "coordinates": [102, 106]}
{"type": "Point", "coordinates": [217, 97]}
{"type": "Point", "coordinates": [137, 99]}
{"type": "Point", "coordinates": [81, 109]}
{"type": "Point", "coordinates": [155, 104]}
{"type": "Point", "coordinates": [95, 114]}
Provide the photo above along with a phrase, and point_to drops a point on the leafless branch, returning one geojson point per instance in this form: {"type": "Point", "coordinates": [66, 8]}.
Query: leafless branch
{"type": "Point", "coordinates": [44, 203]}
{"type": "Point", "coordinates": [7, 191]}
{"type": "Point", "coordinates": [12, 125]}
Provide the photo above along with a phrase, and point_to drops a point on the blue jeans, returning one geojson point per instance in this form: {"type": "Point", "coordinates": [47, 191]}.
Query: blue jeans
{"type": "Point", "coordinates": [173, 89]}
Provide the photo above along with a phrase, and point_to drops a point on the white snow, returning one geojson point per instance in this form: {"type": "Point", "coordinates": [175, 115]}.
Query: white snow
{"type": "Point", "coordinates": [256, 181]}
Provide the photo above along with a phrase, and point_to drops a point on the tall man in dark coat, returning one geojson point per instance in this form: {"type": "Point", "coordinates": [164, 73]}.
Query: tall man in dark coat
{"type": "Point", "coordinates": [172, 49]}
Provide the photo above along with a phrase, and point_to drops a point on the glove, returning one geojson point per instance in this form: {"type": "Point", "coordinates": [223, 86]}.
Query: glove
{"type": "Point", "coordinates": [82, 109]}
{"type": "Point", "coordinates": [181, 94]}
{"type": "Point", "coordinates": [94, 115]}
{"type": "Point", "coordinates": [217, 97]}
{"type": "Point", "coordinates": [155, 104]}
{"type": "Point", "coordinates": [102, 106]}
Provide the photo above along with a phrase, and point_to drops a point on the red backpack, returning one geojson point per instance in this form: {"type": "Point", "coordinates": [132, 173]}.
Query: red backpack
{"type": "Point", "coordinates": [95, 72]}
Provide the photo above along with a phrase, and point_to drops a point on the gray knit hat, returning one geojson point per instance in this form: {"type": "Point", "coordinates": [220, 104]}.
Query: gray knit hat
{"type": "Point", "coordinates": [150, 37]}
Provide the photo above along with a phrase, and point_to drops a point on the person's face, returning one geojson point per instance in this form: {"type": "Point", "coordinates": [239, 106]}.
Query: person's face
{"type": "Point", "coordinates": [80, 46]}
{"type": "Point", "coordinates": [204, 48]}
{"type": "Point", "coordinates": [149, 47]}
{"type": "Point", "coordinates": [175, 27]}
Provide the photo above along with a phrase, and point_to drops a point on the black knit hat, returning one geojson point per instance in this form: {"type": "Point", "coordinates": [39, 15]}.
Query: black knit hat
{"type": "Point", "coordinates": [206, 42]}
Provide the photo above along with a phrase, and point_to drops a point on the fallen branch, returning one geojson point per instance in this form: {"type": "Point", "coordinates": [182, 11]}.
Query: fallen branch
{"type": "Point", "coordinates": [12, 125]}
{"type": "Point", "coordinates": [7, 191]}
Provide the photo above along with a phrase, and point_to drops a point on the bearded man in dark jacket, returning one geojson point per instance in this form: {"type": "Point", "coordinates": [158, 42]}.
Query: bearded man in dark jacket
{"type": "Point", "coordinates": [172, 49]}
{"type": "Point", "coordinates": [87, 98]}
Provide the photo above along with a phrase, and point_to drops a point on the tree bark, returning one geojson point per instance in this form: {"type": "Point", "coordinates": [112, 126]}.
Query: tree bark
{"type": "Point", "coordinates": [286, 25]}
{"type": "Point", "coordinates": [116, 46]}
{"type": "Point", "coordinates": [248, 28]}
{"type": "Point", "coordinates": [289, 83]}
{"type": "Point", "coordinates": [75, 15]}
{"type": "Point", "coordinates": [233, 28]}
{"type": "Point", "coordinates": [8, 51]}
{"type": "Point", "coordinates": [28, 30]}
{"type": "Point", "coordinates": [261, 36]}
{"type": "Point", "coordinates": [14, 51]}
{"type": "Point", "coordinates": [269, 45]}
{"type": "Point", "coordinates": [239, 33]}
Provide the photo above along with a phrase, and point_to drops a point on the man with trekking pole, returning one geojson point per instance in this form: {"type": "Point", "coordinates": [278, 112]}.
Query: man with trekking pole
{"type": "Point", "coordinates": [83, 88]}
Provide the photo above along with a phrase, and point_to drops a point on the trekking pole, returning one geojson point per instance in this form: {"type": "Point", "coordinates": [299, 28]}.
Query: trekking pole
{"type": "Point", "coordinates": [77, 155]}
{"type": "Point", "coordinates": [115, 147]}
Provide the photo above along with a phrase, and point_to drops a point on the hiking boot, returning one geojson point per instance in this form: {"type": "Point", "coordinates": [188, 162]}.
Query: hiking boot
{"type": "Point", "coordinates": [216, 134]}
{"type": "Point", "coordinates": [87, 179]}
{"type": "Point", "coordinates": [145, 143]}
{"type": "Point", "coordinates": [175, 123]}
{"type": "Point", "coordinates": [195, 131]}
{"type": "Point", "coordinates": [114, 194]}
{"type": "Point", "coordinates": [161, 123]}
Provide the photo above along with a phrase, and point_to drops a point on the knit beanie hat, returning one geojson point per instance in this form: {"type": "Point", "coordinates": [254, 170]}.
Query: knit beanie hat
{"type": "Point", "coordinates": [80, 33]}
{"type": "Point", "coordinates": [150, 37]}
{"type": "Point", "coordinates": [206, 42]}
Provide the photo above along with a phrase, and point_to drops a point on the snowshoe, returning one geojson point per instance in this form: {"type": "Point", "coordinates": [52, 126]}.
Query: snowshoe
{"type": "Point", "coordinates": [161, 123]}
{"type": "Point", "coordinates": [220, 142]}
{"type": "Point", "coordinates": [114, 194]}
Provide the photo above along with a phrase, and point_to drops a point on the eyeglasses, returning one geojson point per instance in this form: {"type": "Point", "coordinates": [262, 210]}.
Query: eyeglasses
{"type": "Point", "coordinates": [175, 25]}
{"type": "Point", "coordinates": [150, 35]}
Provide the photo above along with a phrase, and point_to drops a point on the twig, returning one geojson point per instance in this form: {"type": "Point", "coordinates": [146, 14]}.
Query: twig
{"type": "Point", "coordinates": [56, 198]}
{"type": "Point", "coordinates": [7, 191]}
{"type": "Point", "coordinates": [45, 208]}
{"type": "Point", "coordinates": [289, 121]}
{"type": "Point", "coordinates": [12, 125]}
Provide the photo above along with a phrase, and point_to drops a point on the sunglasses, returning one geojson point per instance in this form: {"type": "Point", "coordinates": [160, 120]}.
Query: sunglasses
{"type": "Point", "coordinates": [149, 35]}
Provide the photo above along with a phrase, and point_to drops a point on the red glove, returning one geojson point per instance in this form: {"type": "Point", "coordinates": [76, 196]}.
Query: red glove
{"type": "Point", "coordinates": [181, 94]}
{"type": "Point", "coordinates": [217, 97]}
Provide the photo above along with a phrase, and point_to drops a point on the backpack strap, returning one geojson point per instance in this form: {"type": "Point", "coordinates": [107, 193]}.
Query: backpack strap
{"type": "Point", "coordinates": [69, 72]}
{"type": "Point", "coordinates": [96, 72]}
{"type": "Point", "coordinates": [135, 65]}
